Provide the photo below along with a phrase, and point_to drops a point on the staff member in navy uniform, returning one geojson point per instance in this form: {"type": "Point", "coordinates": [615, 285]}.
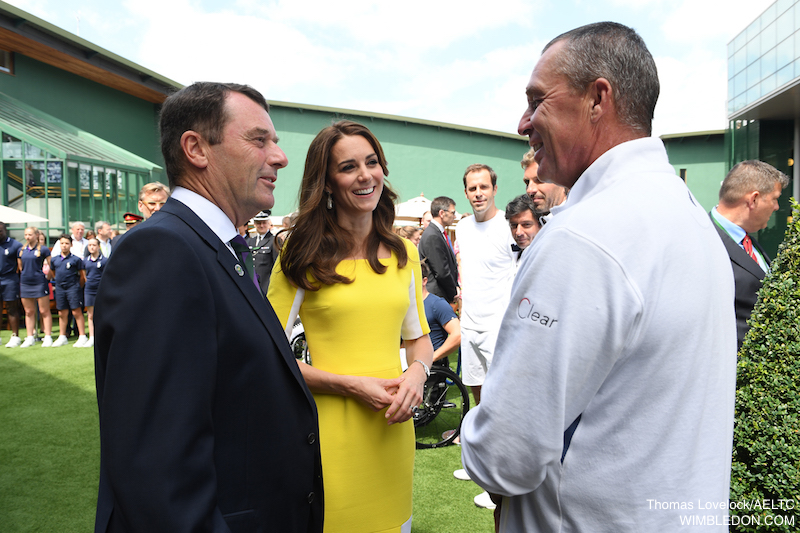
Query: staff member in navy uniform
{"type": "Point", "coordinates": [264, 251]}
{"type": "Point", "coordinates": [93, 266]}
{"type": "Point", "coordinates": [9, 282]}
{"type": "Point", "coordinates": [34, 287]}
{"type": "Point", "coordinates": [206, 424]}
{"type": "Point", "coordinates": [67, 270]}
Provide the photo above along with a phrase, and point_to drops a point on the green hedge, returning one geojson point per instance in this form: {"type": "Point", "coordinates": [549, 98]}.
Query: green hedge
{"type": "Point", "coordinates": [766, 440]}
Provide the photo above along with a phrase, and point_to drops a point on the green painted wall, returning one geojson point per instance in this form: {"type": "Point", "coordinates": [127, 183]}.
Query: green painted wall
{"type": "Point", "coordinates": [703, 157]}
{"type": "Point", "coordinates": [422, 158]}
{"type": "Point", "coordinates": [122, 119]}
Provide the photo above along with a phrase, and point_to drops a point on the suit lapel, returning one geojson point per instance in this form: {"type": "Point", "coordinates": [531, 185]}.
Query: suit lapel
{"type": "Point", "coordinates": [228, 263]}
{"type": "Point", "coordinates": [763, 253]}
{"type": "Point", "coordinates": [739, 256]}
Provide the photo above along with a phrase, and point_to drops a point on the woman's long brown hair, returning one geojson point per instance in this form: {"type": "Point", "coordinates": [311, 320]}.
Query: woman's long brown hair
{"type": "Point", "coordinates": [316, 242]}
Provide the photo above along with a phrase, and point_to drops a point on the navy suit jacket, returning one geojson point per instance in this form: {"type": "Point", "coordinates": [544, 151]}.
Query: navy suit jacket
{"type": "Point", "coordinates": [443, 281]}
{"type": "Point", "coordinates": [206, 423]}
{"type": "Point", "coordinates": [747, 275]}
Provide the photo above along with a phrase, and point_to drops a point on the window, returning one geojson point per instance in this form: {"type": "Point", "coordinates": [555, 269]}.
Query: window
{"type": "Point", "coordinates": [6, 62]}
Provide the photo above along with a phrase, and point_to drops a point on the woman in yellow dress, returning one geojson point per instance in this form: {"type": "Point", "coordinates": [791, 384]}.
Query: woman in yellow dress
{"type": "Point", "coordinates": [357, 288]}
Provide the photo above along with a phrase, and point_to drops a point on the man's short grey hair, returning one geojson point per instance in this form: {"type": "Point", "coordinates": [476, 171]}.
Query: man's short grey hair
{"type": "Point", "coordinates": [748, 176]}
{"type": "Point", "coordinates": [527, 159]}
{"type": "Point", "coordinates": [441, 203]}
{"type": "Point", "coordinates": [617, 53]}
{"type": "Point", "coordinates": [77, 223]}
{"type": "Point", "coordinates": [99, 224]}
{"type": "Point", "coordinates": [519, 205]}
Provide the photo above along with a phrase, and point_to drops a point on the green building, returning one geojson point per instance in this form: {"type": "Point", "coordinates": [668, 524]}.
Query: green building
{"type": "Point", "coordinates": [699, 159]}
{"type": "Point", "coordinates": [79, 133]}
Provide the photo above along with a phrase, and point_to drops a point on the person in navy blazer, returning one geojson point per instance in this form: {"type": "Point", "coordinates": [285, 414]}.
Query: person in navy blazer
{"type": "Point", "coordinates": [747, 198]}
{"type": "Point", "coordinates": [433, 247]}
{"type": "Point", "coordinates": [206, 423]}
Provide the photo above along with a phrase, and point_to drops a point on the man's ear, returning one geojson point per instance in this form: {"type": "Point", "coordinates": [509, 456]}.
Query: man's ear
{"type": "Point", "coordinates": [752, 197]}
{"type": "Point", "coordinates": [195, 148]}
{"type": "Point", "coordinates": [601, 98]}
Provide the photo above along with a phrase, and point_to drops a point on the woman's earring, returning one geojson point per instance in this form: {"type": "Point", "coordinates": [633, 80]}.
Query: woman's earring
{"type": "Point", "coordinates": [330, 201]}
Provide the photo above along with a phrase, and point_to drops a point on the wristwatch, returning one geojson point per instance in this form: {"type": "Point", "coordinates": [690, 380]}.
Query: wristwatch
{"type": "Point", "coordinates": [426, 367]}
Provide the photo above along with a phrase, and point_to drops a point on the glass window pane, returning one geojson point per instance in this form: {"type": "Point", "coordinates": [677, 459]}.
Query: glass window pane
{"type": "Point", "coordinates": [753, 50]}
{"type": "Point", "coordinates": [740, 83]}
{"type": "Point", "coordinates": [54, 172]}
{"type": "Point", "coordinates": [753, 94]}
{"type": "Point", "coordinates": [785, 25]}
{"type": "Point", "coordinates": [731, 48]}
{"type": "Point", "coordinates": [768, 37]}
{"type": "Point", "coordinates": [769, 84]}
{"type": "Point", "coordinates": [96, 185]}
{"type": "Point", "coordinates": [753, 29]}
{"type": "Point", "coordinates": [797, 15]}
{"type": "Point", "coordinates": [740, 41]}
{"type": "Point", "coordinates": [785, 75]}
{"type": "Point", "coordinates": [740, 102]}
{"type": "Point", "coordinates": [785, 52]}
{"type": "Point", "coordinates": [739, 60]}
{"type": "Point", "coordinates": [753, 74]}
{"type": "Point", "coordinates": [768, 16]}
{"type": "Point", "coordinates": [783, 5]}
{"type": "Point", "coordinates": [85, 173]}
{"type": "Point", "coordinates": [769, 63]}
{"type": "Point", "coordinates": [732, 88]}
{"type": "Point", "coordinates": [33, 152]}
{"type": "Point", "coordinates": [12, 147]}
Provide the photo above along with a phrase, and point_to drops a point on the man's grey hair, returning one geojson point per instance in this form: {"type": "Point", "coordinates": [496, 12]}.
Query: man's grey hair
{"type": "Point", "coordinates": [77, 223]}
{"type": "Point", "coordinates": [441, 203]}
{"type": "Point", "coordinates": [519, 205]}
{"type": "Point", "coordinates": [748, 176]}
{"type": "Point", "coordinates": [99, 224]}
{"type": "Point", "coordinates": [617, 53]}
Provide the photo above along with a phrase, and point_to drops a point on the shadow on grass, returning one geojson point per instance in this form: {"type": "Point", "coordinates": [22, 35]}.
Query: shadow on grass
{"type": "Point", "coordinates": [442, 503]}
{"type": "Point", "coordinates": [49, 442]}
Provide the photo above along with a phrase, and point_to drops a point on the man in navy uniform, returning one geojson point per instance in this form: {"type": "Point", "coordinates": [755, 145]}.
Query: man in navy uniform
{"type": "Point", "coordinates": [206, 423]}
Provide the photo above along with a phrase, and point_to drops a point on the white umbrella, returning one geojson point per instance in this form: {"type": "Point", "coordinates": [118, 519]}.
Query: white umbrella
{"type": "Point", "coordinates": [413, 208]}
{"type": "Point", "coordinates": [9, 215]}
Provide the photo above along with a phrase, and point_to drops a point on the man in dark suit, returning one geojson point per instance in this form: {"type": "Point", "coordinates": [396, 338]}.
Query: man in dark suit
{"type": "Point", "coordinates": [206, 423]}
{"type": "Point", "coordinates": [747, 198]}
{"type": "Point", "coordinates": [265, 253]}
{"type": "Point", "coordinates": [434, 247]}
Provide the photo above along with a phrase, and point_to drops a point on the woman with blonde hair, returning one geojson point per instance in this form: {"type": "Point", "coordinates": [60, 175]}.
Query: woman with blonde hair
{"type": "Point", "coordinates": [357, 288]}
{"type": "Point", "coordinates": [412, 233]}
{"type": "Point", "coordinates": [34, 287]}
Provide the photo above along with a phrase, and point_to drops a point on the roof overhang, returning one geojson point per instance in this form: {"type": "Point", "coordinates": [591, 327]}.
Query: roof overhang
{"type": "Point", "coordinates": [25, 34]}
{"type": "Point", "coordinates": [781, 104]}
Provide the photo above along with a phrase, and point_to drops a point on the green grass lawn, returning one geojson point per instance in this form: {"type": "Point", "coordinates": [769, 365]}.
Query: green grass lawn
{"type": "Point", "coordinates": [50, 451]}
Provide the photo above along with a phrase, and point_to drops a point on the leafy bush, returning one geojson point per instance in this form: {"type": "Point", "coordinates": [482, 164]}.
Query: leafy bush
{"type": "Point", "coordinates": [766, 440]}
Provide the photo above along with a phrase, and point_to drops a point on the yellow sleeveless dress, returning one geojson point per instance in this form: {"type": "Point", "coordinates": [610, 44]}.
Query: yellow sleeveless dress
{"type": "Point", "coordinates": [355, 329]}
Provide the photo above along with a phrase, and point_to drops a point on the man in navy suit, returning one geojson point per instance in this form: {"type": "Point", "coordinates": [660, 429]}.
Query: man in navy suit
{"type": "Point", "coordinates": [434, 247]}
{"type": "Point", "coordinates": [206, 423]}
{"type": "Point", "coordinates": [747, 198]}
